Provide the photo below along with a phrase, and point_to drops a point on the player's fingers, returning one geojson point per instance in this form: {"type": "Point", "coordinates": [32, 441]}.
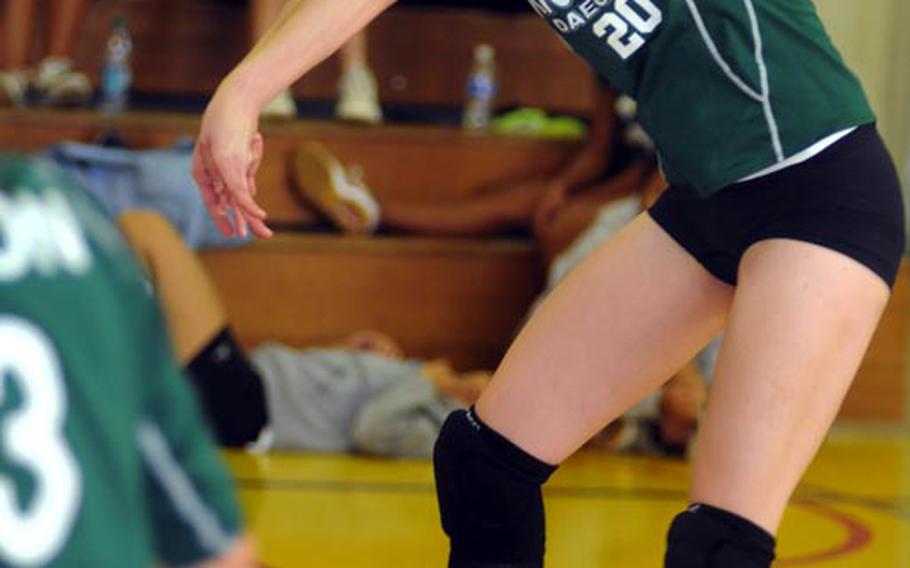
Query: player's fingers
{"type": "Point", "coordinates": [222, 221]}
{"type": "Point", "coordinates": [232, 169]}
{"type": "Point", "coordinates": [259, 228]}
{"type": "Point", "coordinates": [197, 167]}
{"type": "Point", "coordinates": [240, 225]}
{"type": "Point", "coordinates": [221, 168]}
{"type": "Point", "coordinates": [210, 198]}
{"type": "Point", "coordinates": [218, 207]}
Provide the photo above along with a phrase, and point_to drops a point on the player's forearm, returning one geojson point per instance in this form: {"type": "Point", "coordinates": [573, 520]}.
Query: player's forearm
{"type": "Point", "coordinates": [305, 33]}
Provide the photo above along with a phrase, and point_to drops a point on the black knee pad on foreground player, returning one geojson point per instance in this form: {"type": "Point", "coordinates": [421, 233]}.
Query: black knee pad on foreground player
{"type": "Point", "coordinates": [708, 537]}
{"type": "Point", "coordinates": [490, 496]}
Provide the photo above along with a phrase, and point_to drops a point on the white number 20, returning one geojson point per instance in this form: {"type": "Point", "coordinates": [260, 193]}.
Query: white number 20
{"type": "Point", "coordinates": [615, 25]}
{"type": "Point", "coordinates": [32, 437]}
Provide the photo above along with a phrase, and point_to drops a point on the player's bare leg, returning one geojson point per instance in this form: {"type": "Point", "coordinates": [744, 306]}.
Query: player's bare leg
{"type": "Point", "coordinates": [191, 304]}
{"type": "Point", "coordinates": [802, 319]}
{"type": "Point", "coordinates": [64, 19]}
{"type": "Point", "coordinates": [620, 325]}
{"type": "Point", "coordinates": [16, 33]}
{"type": "Point", "coordinates": [358, 90]}
{"type": "Point", "coordinates": [497, 210]}
{"type": "Point", "coordinates": [262, 14]}
{"type": "Point", "coordinates": [56, 80]}
{"type": "Point", "coordinates": [617, 327]}
{"type": "Point", "coordinates": [17, 28]}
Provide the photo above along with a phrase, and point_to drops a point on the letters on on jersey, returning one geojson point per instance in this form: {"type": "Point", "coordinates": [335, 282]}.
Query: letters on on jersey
{"type": "Point", "coordinates": [40, 232]}
{"type": "Point", "coordinates": [624, 25]}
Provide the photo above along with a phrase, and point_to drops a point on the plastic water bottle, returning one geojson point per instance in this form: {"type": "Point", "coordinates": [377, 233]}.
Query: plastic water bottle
{"type": "Point", "coordinates": [117, 72]}
{"type": "Point", "coordinates": [481, 89]}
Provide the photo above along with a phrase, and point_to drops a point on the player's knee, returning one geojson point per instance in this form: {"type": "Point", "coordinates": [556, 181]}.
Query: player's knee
{"type": "Point", "coordinates": [708, 537]}
{"type": "Point", "coordinates": [137, 220]}
{"type": "Point", "coordinates": [489, 495]}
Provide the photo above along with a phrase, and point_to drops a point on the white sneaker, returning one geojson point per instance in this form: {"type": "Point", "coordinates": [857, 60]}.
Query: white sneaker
{"type": "Point", "coordinates": [282, 106]}
{"type": "Point", "coordinates": [58, 84]}
{"type": "Point", "coordinates": [358, 96]}
{"type": "Point", "coordinates": [13, 88]}
{"type": "Point", "coordinates": [339, 193]}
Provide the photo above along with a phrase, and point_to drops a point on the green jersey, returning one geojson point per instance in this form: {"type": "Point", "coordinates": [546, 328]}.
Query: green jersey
{"type": "Point", "coordinates": [726, 88]}
{"type": "Point", "coordinates": [104, 461]}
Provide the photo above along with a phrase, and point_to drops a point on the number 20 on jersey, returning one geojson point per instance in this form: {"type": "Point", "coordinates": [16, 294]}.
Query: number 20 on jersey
{"type": "Point", "coordinates": [625, 26]}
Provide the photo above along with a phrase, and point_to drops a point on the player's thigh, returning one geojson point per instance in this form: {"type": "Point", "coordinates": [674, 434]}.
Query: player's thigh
{"type": "Point", "coordinates": [618, 326]}
{"type": "Point", "coordinates": [802, 318]}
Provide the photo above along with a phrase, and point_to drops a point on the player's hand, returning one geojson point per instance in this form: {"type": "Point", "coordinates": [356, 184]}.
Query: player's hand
{"type": "Point", "coordinates": [549, 206]}
{"type": "Point", "coordinates": [227, 155]}
{"type": "Point", "coordinates": [374, 342]}
{"type": "Point", "coordinates": [241, 555]}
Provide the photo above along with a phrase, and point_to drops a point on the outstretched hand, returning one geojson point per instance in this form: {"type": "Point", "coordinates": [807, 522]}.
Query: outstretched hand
{"type": "Point", "coordinates": [227, 156]}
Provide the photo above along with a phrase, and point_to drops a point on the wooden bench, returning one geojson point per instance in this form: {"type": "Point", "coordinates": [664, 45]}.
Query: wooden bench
{"type": "Point", "coordinates": [462, 300]}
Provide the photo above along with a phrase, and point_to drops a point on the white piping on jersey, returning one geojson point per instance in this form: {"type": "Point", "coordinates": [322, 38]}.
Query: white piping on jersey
{"type": "Point", "coordinates": [802, 156]}
{"type": "Point", "coordinates": [179, 489]}
{"type": "Point", "coordinates": [765, 96]}
{"type": "Point", "coordinates": [765, 88]}
{"type": "Point", "coordinates": [718, 58]}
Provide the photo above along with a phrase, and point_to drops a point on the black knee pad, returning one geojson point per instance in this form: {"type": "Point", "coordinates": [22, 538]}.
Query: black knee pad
{"type": "Point", "coordinates": [490, 497]}
{"type": "Point", "coordinates": [708, 537]}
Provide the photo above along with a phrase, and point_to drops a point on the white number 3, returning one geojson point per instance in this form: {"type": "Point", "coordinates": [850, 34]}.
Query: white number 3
{"type": "Point", "coordinates": [31, 436]}
{"type": "Point", "coordinates": [615, 25]}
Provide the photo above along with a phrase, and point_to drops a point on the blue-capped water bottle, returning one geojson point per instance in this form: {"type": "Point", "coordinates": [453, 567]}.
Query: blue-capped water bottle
{"type": "Point", "coordinates": [481, 89]}
{"type": "Point", "coordinates": [117, 72]}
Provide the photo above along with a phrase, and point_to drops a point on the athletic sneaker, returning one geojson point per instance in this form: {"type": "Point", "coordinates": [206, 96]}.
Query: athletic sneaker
{"type": "Point", "coordinates": [358, 96]}
{"type": "Point", "coordinates": [57, 83]}
{"type": "Point", "coordinates": [338, 192]}
{"type": "Point", "coordinates": [282, 106]}
{"type": "Point", "coordinates": [13, 88]}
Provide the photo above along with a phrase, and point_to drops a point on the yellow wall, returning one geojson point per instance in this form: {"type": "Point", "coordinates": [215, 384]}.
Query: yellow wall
{"type": "Point", "coordinates": [871, 36]}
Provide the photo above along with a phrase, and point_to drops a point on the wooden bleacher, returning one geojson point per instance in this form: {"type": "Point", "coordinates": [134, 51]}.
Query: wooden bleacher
{"type": "Point", "coordinates": [441, 297]}
{"type": "Point", "coordinates": [458, 298]}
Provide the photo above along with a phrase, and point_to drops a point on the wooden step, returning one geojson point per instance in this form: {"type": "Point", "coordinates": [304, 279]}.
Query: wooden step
{"type": "Point", "coordinates": [458, 299]}
{"type": "Point", "coordinates": [401, 163]}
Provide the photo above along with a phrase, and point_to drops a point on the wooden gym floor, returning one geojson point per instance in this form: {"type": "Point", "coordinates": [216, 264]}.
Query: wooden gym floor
{"type": "Point", "coordinates": [852, 509]}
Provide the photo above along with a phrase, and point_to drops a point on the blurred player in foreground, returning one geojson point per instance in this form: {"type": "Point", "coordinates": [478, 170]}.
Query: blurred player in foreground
{"type": "Point", "coordinates": [104, 460]}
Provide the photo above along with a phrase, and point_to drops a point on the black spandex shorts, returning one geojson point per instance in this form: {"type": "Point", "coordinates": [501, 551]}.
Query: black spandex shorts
{"type": "Point", "coordinates": [848, 199]}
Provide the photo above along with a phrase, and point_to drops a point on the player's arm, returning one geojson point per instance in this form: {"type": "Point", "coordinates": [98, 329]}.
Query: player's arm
{"type": "Point", "coordinates": [229, 148]}
{"type": "Point", "coordinates": [304, 34]}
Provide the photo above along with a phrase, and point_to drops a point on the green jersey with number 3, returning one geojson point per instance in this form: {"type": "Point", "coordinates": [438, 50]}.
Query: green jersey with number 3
{"type": "Point", "coordinates": [726, 88]}
{"type": "Point", "coordinates": [104, 461]}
